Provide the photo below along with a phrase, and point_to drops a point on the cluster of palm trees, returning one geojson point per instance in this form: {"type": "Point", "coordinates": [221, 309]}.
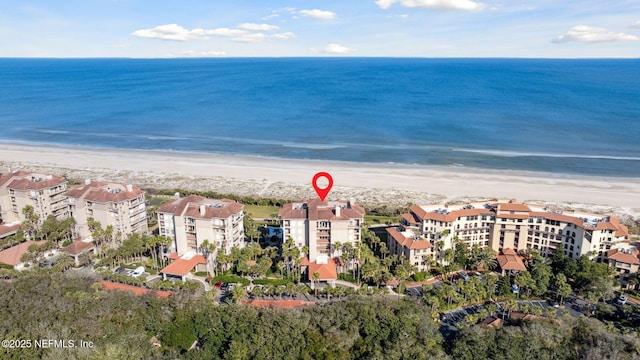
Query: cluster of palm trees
{"type": "Point", "coordinates": [137, 247]}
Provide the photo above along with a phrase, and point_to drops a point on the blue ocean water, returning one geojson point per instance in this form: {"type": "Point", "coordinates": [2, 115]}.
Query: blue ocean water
{"type": "Point", "coordinates": [563, 116]}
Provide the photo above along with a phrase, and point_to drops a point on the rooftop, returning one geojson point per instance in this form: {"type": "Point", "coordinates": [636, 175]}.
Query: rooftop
{"type": "Point", "coordinates": [24, 180]}
{"type": "Point", "coordinates": [105, 192]}
{"type": "Point", "coordinates": [11, 256]}
{"type": "Point", "coordinates": [509, 260]}
{"type": "Point", "coordinates": [202, 208]}
{"type": "Point", "coordinates": [322, 210]}
{"type": "Point", "coordinates": [184, 264]}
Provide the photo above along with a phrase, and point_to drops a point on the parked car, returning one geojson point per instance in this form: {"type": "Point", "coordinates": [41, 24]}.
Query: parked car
{"type": "Point", "coordinates": [515, 289]}
{"type": "Point", "coordinates": [622, 299]}
{"type": "Point", "coordinates": [119, 270]}
{"type": "Point", "coordinates": [464, 276]}
{"type": "Point", "coordinates": [138, 271]}
{"type": "Point", "coordinates": [218, 285]}
{"type": "Point", "coordinates": [553, 303]}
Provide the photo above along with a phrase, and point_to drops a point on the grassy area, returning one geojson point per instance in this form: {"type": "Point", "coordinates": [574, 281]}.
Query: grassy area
{"type": "Point", "coordinates": [230, 279]}
{"type": "Point", "coordinates": [261, 211]}
{"type": "Point", "coordinates": [378, 219]}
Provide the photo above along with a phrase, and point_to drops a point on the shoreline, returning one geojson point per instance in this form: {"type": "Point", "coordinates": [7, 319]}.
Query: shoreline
{"type": "Point", "coordinates": [373, 184]}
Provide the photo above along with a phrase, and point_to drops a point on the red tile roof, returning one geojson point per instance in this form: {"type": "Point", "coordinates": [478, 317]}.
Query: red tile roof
{"type": "Point", "coordinates": [133, 289]}
{"type": "Point", "coordinates": [321, 210]}
{"type": "Point", "coordinates": [623, 257]}
{"type": "Point", "coordinates": [491, 321]}
{"type": "Point", "coordinates": [558, 217]}
{"type": "Point", "coordinates": [517, 207]}
{"type": "Point", "coordinates": [328, 271]}
{"type": "Point", "coordinates": [8, 230]}
{"type": "Point", "coordinates": [407, 241]}
{"type": "Point", "coordinates": [104, 192]}
{"type": "Point", "coordinates": [24, 180]}
{"type": "Point", "coordinates": [411, 218]}
{"type": "Point", "coordinates": [509, 260]}
{"type": "Point", "coordinates": [181, 267]}
{"type": "Point", "coordinates": [77, 247]}
{"type": "Point", "coordinates": [11, 256]}
{"type": "Point", "coordinates": [191, 205]}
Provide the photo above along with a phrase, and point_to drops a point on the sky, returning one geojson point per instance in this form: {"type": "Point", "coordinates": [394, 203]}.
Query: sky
{"type": "Point", "coordinates": [301, 28]}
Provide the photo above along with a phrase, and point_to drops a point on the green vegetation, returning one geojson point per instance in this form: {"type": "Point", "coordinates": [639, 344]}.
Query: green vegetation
{"type": "Point", "coordinates": [261, 211]}
{"type": "Point", "coordinates": [273, 282]}
{"type": "Point", "coordinates": [382, 219]}
{"type": "Point", "coordinates": [574, 339]}
{"type": "Point", "coordinates": [40, 305]}
{"type": "Point", "coordinates": [230, 279]}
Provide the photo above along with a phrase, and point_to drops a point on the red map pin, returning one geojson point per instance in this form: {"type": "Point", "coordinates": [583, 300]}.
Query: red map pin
{"type": "Point", "coordinates": [322, 193]}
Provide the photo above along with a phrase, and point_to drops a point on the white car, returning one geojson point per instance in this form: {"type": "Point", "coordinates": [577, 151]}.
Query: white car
{"type": "Point", "coordinates": [622, 299]}
{"type": "Point", "coordinates": [137, 272]}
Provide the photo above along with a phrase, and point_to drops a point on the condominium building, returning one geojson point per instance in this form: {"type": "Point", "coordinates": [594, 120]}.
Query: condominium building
{"type": "Point", "coordinates": [518, 226]}
{"type": "Point", "coordinates": [320, 225]}
{"type": "Point", "coordinates": [412, 245]}
{"type": "Point", "coordinates": [191, 220]}
{"type": "Point", "coordinates": [45, 193]}
{"type": "Point", "coordinates": [121, 206]}
{"type": "Point", "coordinates": [625, 258]}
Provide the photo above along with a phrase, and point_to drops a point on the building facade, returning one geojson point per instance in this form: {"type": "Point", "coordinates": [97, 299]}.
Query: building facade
{"type": "Point", "coordinates": [320, 225]}
{"type": "Point", "coordinates": [191, 220]}
{"type": "Point", "coordinates": [517, 226]}
{"type": "Point", "coordinates": [625, 258]}
{"type": "Point", "coordinates": [121, 206]}
{"type": "Point", "coordinates": [45, 193]}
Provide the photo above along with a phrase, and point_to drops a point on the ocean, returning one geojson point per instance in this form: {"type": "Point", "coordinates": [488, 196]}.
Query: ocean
{"type": "Point", "coordinates": [550, 115]}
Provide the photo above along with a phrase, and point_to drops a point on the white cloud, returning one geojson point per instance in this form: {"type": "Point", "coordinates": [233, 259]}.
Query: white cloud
{"type": "Point", "coordinates": [248, 38]}
{"type": "Point", "coordinates": [224, 32]}
{"type": "Point", "coordinates": [588, 34]}
{"type": "Point", "coordinates": [636, 25]}
{"type": "Point", "coordinates": [319, 14]}
{"type": "Point", "coordinates": [284, 35]}
{"type": "Point", "coordinates": [468, 5]}
{"type": "Point", "coordinates": [257, 27]}
{"type": "Point", "coordinates": [270, 16]}
{"type": "Point", "coordinates": [176, 32]}
{"type": "Point", "coordinates": [333, 49]}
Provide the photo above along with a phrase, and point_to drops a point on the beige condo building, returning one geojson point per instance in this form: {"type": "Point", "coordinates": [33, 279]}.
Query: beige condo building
{"type": "Point", "coordinates": [191, 220]}
{"type": "Point", "coordinates": [45, 193]}
{"type": "Point", "coordinates": [319, 225]}
{"type": "Point", "coordinates": [121, 206]}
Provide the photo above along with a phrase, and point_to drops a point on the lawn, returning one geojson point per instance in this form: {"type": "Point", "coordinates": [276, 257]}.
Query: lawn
{"type": "Point", "coordinates": [261, 211]}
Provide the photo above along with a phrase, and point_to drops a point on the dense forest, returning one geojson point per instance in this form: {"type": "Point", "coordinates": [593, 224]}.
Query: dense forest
{"type": "Point", "coordinates": [69, 306]}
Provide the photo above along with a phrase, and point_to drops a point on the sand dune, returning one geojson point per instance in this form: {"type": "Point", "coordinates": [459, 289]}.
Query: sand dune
{"type": "Point", "coordinates": [371, 184]}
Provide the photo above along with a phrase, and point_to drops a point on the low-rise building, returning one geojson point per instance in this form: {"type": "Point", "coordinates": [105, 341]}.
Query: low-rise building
{"type": "Point", "coordinates": [121, 206]}
{"type": "Point", "coordinates": [412, 245]}
{"type": "Point", "coordinates": [45, 193]}
{"type": "Point", "coordinates": [625, 258]}
{"type": "Point", "coordinates": [191, 220]}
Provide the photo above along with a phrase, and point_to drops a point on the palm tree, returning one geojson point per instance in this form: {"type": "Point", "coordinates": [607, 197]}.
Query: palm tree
{"type": "Point", "coordinates": [238, 293]}
{"type": "Point", "coordinates": [207, 249]}
{"type": "Point", "coordinates": [510, 305]}
{"type": "Point", "coordinates": [492, 308]}
{"type": "Point", "coordinates": [65, 262]}
{"type": "Point", "coordinates": [30, 223]}
{"type": "Point", "coordinates": [316, 280]}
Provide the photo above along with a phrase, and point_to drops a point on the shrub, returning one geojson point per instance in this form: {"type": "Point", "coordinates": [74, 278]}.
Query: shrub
{"type": "Point", "coordinates": [274, 282]}
{"type": "Point", "coordinates": [420, 276]}
{"type": "Point", "coordinates": [231, 279]}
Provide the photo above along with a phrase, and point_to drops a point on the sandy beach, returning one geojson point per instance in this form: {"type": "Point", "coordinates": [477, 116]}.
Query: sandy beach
{"type": "Point", "coordinates": [370, 184]}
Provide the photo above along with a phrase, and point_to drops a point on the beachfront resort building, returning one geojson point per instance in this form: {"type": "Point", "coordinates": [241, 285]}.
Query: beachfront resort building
{"type": "Point", "coordinates": [121, 206]}
{"type": "Point", "coordinates": [511, 225]}
{"type": "Point", "coordinates": [45, 193]}
{"type": "Point", "coordinates": [322, 226]}
{"type": "Point", "coordinates": [191, 220]}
